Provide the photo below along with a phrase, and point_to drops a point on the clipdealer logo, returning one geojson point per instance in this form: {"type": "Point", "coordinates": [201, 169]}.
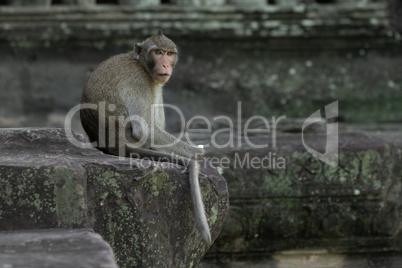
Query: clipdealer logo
{"type": "Point", "coordinates": [237, 134]}
{"type": "Point", "coordinates": [331, 154]}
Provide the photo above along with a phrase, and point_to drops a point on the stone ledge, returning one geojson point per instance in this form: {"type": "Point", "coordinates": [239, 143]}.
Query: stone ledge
{"type": "Point", "coordinates": [55, 248]}
{"type": "Point", "coordinates": [122, 26]}
{"type": "Point", "coordinates": [142, 208]}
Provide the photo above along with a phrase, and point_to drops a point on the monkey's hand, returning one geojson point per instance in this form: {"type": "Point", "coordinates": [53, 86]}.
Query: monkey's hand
{"type": "Point", "coordinates": [199, 153]}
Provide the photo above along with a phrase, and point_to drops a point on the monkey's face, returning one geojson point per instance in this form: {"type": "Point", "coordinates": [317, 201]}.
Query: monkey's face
{"type": "Point", "coordinates": [158, 55]}
{"type": "Point", "coordinates": [161, 62]}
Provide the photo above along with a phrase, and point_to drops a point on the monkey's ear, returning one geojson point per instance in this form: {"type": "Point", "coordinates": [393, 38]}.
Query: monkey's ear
{"type": "Point", "coordinates": [137, 50]}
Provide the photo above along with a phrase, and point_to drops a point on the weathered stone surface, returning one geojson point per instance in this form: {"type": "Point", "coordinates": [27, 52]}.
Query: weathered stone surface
{"type": "Point", "coordinates": [42, 3]}
{"type": "Point", "coordinates": [395, 7]}
{"type": "Point", "coordinates": [142, 208]}
{"type": "Point", "coordinates": [287, 61]}
{"type": "Point", "coordinates": [312, 259]}
{"type": "Point", "coordinates": [272, 26]}
{"type": "Point", "coordinates": [305, 213]}
{"type": "Point", "coordinates": [268, 83]}
{"type": "Point", "coordinates": [55, 248]}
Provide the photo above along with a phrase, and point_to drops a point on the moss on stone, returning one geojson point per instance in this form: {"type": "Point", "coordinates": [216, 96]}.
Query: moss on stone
{"type": "Point", "coordinates": [69, 197]}
{"type": "Point", "coordinates": [54, 196]}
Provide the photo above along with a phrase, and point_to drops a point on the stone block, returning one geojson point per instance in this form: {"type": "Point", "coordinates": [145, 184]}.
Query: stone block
{"type": "Point", "coordinates": [55, 248]}
{"type": "Point", "coordinates": [142, 208]}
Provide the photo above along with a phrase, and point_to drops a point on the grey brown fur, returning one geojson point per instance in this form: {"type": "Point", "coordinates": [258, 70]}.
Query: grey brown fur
{"type": "Point", "coordinates": [127, 85]}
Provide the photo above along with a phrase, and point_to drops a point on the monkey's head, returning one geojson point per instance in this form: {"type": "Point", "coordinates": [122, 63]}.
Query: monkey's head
{"type": "Point", "coordinates": [158, 55]}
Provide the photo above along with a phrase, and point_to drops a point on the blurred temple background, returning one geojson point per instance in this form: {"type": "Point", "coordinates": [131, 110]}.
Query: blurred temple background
{"type": "Point", "coordinates": [278, 58]}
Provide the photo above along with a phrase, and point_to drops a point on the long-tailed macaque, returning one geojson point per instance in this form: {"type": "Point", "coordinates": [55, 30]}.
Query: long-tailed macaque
{"type": "Point", "coordinates": [132, 121]}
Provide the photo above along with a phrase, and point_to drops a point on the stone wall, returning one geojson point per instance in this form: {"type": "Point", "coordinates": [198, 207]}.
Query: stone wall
{"type": "Point", "coordinates": [395, 8]}
{"type": "Point", "coordinates": [292, 58]}
{"type": "Point", "coordinates": [173, 2]}
{"type": "Point", "coordinates": [292, 210]}
{"type": "Point", "coordinates": [300, 26]}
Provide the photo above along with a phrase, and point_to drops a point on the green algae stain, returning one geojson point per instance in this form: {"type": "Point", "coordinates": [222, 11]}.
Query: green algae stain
{"type": "Point", "coordinates": [68, 197]}
{"type": "Point", "coordinates": [49, 195]}
{"type": "Point", "coordinates": [158, 183]}
{"type": "Point", "coordinates": [214, 215]}
{"type": "Point", "coordinates": [118, 217]}
{"type": "Point", "coordinates": [109, 180]}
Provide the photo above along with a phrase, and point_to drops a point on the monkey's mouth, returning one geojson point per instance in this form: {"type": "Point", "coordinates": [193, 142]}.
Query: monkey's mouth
{"type": "Point", "coordinates": [164, 74]}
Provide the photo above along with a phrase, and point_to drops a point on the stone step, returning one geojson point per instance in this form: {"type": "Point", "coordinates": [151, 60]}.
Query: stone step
{"type": "Point", "coordinates": [55, 248]}
{"type": "Point", "coordinates": [141, 207]}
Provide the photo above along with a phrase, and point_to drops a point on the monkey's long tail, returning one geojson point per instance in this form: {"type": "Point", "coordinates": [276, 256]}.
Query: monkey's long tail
{"type": "Point", "coordinates": [201, 219]}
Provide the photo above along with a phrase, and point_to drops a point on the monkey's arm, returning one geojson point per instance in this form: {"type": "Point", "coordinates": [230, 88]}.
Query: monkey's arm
{"type": "Point", "coordinates": [160, 140]}
{"type": "Point", "coordinates": [164, 141]}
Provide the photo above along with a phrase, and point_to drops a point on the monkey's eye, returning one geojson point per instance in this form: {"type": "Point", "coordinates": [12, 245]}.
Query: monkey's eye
{"type": "Point", "coordinates": [158, 52]}
{"type": "Point", "coordinates": [169, 53]}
